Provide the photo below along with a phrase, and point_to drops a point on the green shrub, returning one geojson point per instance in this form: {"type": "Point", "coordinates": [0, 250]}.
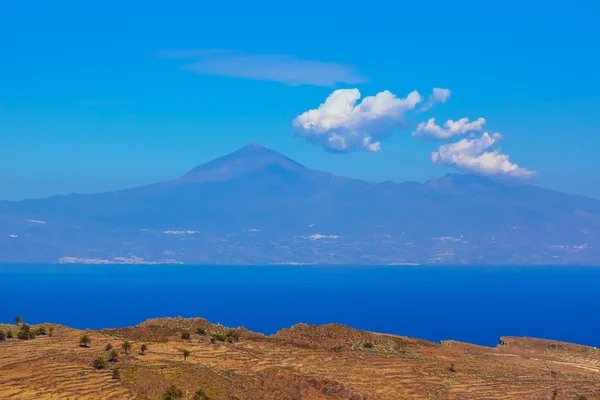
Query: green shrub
{"type": "Point", "coordinates": [185, 334]}
{"type": "Point", "coordinates": [219, 336]}
{"type": "Point", "coordinates": [186, 354]}
{"type": "Point", "coordinates": [85, 341]}
{"type": "Point", "coordinates": [18, 320]}
{"type": "Point", "coordinates": [2, 336]}
{"type": "Point", "coordinates": [51, 331]}
{"type": "Point", "coordinates": [25, 332]}
{"type": "Point", "coordinates": [233, 334]}
{"type": "Point", "coordinates": [108, 347]}
{"type": "Point", "coordinates": [173, 393]}
{"type": "Point", "coordinates": [9, 335]}
{"type": "Point", "coordinates": [452, 369]}
{"type": "Point", "coordinates": [41, 330]}
{"type": "Point", "coordinates": [368, 345]}
{"type": "Point", "coordinates": [113, 356]}
{"type": "Point", "coordinates": [144, 348]}
{"type": "Point", "coordinates": [201, 331]}
{"type": "Point", "coordinates": [200, 395]}
{"type": "Point", "coordinates": [100, 363]}
{"type": "Point", "coordinates": [23, 335]}
{"type": "Point", "coordinates": [116, 373]}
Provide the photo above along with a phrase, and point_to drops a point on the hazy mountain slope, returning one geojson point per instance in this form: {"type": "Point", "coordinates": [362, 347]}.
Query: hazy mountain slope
{"type": "Point", "coordinates": [258, 206]}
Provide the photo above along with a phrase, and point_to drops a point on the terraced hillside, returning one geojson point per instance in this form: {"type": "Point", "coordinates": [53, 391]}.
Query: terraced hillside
{"type": "Point", "coordinates": [330, 362]}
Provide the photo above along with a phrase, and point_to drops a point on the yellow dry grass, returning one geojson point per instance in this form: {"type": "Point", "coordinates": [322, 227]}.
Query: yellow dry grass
{"type": "Point", "coordinates": [304, 362]}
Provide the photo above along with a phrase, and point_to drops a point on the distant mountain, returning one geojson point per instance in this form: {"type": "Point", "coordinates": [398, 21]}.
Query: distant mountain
{"type": "Point", "coordinates": [256, 206]}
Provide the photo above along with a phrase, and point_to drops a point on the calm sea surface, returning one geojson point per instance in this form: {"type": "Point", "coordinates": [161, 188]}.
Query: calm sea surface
{"type": "Point", "coordinates": [473, 304]}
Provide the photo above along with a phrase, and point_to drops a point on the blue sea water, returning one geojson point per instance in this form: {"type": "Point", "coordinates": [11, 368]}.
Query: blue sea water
{"type": "Point", "coordinates": [472, 304]}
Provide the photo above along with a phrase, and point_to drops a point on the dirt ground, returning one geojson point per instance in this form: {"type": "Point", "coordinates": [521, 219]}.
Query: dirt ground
{"type": "Point", "coordinates": [303, 362]}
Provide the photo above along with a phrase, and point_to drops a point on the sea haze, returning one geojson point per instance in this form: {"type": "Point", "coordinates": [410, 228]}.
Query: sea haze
{"type": "Point", "coordinates": [472, 304]}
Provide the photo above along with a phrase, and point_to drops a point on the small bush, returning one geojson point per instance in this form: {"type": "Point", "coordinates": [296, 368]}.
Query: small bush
{"type": "Point", "coordinates": [2, 336]}
{"type": "Point", "coordinates": [85, 341]}
{"type": "Point", "coordinates": [113, 356]}
{"type": "Point", "coordinates": [108, 347]}
{"type": "Point", "coordinates": [51, 331]}
{"type": "Point", "coordinates": [186, 354]}
{"type": "Point", "coordinates": [201, 331]}
{"type": "Point", "coordinates": [126, 347]}
{"type": "Point", "coordinates": [116, 373]}
{"type": "Point", "coordinates": [144, 348]}
{"type": "Point", "coordinates": [368, 345]}
{"type": "Point", "coordinates": [25, 332]}
{"type": "Point", "coordinates": [41, 330]}
{"type": "Point", "coordinates": [233, 334]}
{"type": "Point", "coordinates": [23, 335]}
{"type": "Point", "coordinates": [185, 334]}
{"type": "Point", "coordinates": [219, 336]}
{"type": "Point", "coordinates": [100, 363]}
{"type": "Point", "coordinates": [452, 369]}
{"type": "Point", "coordinates": [201, 395]}
{"type": "Point", "coordinates": [173, 393]}
{"type": "Point", "coordinates": [9, 335]}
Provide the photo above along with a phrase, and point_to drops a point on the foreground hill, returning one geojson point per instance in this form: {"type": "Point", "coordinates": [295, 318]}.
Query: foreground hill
{"type": "Point", "coordinates": [303, 362]}
{"type": "Point", "coordinates": [256, 206]}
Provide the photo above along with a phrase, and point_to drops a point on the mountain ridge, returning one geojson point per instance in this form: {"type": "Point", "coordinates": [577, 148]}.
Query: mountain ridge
{"type": "Point", "coordinates": [258, 206]}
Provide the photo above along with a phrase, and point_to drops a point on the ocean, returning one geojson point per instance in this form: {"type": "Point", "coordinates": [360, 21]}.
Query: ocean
{"type": "Point", "coordinates": [471, 304]}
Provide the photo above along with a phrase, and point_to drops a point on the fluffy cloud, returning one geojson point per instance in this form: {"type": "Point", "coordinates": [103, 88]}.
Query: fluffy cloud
{"type": "Point", "coordinates": [451, 128]}
{"type": "Point", "coordinates": [471, 154]}
{"type": "Point", "coordinates": [439, 95]}
{"type": "Point", "coordinates": [342, 125]}
{"type": "Point", "coordinates": [282, 68]}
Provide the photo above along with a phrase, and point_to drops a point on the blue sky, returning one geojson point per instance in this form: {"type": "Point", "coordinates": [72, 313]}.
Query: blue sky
{"type": "Point", "coordinates": [96, 96]}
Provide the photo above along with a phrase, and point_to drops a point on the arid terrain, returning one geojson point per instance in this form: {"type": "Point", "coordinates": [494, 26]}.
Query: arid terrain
{"type": "Point", "coordinates": [304, 362]}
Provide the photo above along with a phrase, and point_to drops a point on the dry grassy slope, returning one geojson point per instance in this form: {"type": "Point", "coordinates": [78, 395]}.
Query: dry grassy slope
{"type": "Point", "coordinates": [327, 362]}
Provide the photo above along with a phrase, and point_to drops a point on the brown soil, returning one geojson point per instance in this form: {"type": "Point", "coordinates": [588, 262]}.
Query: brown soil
{"type": "Point", "coordinates": [329, 362]}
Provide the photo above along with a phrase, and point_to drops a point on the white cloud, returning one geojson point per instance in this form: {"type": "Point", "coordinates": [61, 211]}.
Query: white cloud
{"type": "Point", "coordinates": [439, 95]}
{"type": "Point", "coordinates": [451, 128]}
{"type": "Point", "coordinates": [471, 155]}
{"type": "Point", "coordinates": [342, 125]}
{"type": "Point", "coordinates": [286, 69]}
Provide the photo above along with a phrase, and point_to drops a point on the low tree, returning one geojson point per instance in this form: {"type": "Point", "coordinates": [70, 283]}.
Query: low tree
{"type": "Point", "coordinates": [201, 395]}
{"type": "Point", "coordinates": [108, 347]}
{"type": "Point", "coordinates": [186, 354]}
{"type": "Point", "coordinates": [2, 336]}
{"type": "Point", "coordinates": [41, 330]}
{"type": "Point", "coordinates": [85, 341]}
{"type": "Point", "coordinates": [100, 363]}
{"type": "Point", "coordinates": [144, 348]}
{"type": "Point", "coordinates": [51, 331]}
{"type": "Point", "coordinates": [18, 320]}
{"type": "Point", "coordinates": [173, 393]}
{"type": "Point", "coordinates": [126, 347]}
{"type": "Point", "coordinates": [113, 355]}
{"type": "Point", "coordinates": [185, 334]}
{"type": "Point", "coordinates": [9, 335]}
